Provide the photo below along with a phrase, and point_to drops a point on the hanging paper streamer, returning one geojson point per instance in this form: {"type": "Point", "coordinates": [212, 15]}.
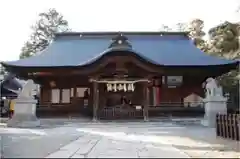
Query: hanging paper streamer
{"type": "Point", "coordinates": [125, 87]}
{"type": "Point", "coordinates": [109, 87]}
{"type": "Point", "coordinates": [120, 87]}
{"type": "Point", "coordinates": [115, 87]}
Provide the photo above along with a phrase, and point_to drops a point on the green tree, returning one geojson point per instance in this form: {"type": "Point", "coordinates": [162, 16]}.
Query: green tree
{"type": "Point", "coordinates": [224, 40]}
{"type": "Point", "coordinates": [48, 24]}
{"type": "Point", "coordinates": [195, 28]}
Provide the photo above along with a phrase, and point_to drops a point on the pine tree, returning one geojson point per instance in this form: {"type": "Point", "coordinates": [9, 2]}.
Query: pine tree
{"type": "Point", "coordinates": [44, 30]}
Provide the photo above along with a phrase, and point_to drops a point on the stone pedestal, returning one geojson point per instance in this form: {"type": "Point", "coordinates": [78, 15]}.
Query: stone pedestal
{"type": "Point", "coordinates": [24, 113]}
{"type": "Point", "coordinates": [213, 106]}
{"type": "Point", "coordinates": [145, 119]}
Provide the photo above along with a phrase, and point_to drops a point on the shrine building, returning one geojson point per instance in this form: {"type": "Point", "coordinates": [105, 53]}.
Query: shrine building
{"type": "Point", "coordinates": [119, 74]}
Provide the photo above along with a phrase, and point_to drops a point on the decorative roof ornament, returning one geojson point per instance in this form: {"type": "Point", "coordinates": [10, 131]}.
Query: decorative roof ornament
{"type": "Point", "coordinates": [120, 40]}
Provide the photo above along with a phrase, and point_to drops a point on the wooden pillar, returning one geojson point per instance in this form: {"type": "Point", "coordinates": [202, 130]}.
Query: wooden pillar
{"type": "Point", "coordinates": [95, 101]}
{"type": "Point", "coordinates": [146, 103]}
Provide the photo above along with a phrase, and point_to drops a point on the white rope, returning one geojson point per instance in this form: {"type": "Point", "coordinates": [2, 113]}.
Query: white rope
{"type": "Point", "coordinates": [119, 81]}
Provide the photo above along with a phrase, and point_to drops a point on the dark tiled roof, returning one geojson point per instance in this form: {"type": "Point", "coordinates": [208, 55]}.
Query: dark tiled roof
{"type": "Point", "coordinates": [10, 82]}
{"type": "Point", "coordinates": [78, 49]}
{"type": "Point", "coordinates": [9, 85]}
{"type": "Point", "coordinates": [7, 93]}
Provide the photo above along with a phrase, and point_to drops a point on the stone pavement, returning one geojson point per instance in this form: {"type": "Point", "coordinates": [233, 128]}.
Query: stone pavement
{"type": "Point", "coordinates": [71, 138]}
{"type": "Point", "coordinates": [94, 146]}
{"type": "Point", "coordinates": [38, 142]}
{"type": "Point", "coordinates": [150, 139]}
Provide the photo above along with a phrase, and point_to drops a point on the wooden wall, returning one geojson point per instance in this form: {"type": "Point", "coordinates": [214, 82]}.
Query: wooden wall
{"type": "Point", "coordinates": [61, 84]}
{"type": "Point", "coordinates": [171, 95]}
{"type": "Point", "coordinates": [191, 84]}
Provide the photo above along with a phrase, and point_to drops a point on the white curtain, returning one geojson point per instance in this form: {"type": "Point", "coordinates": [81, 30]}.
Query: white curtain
{"type": "Point", "coordinates": [72, 92]}
{"type": "Point", "coordinates": [80, 92]}
{"type": "Point", "coordinates": [55, 96]}
{"type": "Point", "coordinates": [66, 96]}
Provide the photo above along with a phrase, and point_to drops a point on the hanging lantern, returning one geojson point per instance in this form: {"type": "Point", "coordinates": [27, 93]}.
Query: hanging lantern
{"type": "Point", "coordinates": [52, 84]}
{"type": "Point", "coordinates": [109, 87]}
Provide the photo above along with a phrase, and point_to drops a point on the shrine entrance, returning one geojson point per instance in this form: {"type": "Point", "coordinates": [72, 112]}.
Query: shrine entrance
{"type": "Point", "coordinates": [119, 94]}
{"type": "Point", "coordinates": [121, 99]}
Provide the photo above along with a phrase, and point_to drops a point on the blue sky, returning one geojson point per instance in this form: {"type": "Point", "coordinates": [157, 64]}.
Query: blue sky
{"type": "Point", "coordinates": [17, 16]}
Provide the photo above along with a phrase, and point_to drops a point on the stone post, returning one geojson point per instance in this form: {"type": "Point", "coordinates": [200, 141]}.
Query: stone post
{"type": "Point", "coordinates": [214, 101]}
{"type": "Point", "coordinates": [213, 106]}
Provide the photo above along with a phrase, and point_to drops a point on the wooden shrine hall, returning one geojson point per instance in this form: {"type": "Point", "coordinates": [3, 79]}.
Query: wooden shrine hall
{"type": "Point", "coordinates": [119, 74]}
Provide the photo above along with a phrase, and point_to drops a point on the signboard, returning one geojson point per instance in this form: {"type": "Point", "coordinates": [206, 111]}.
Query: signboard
{"type": "Point", "coordinates": [138, 107]}
{"type": "Point", "coordinates": [174, 80]}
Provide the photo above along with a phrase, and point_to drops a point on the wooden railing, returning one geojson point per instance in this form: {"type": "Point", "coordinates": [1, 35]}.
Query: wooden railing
{"type": "Point", "coordinates": [228, 125]}
{"type": "Point", "coordinates": [64, 110]}
{"type": "Point", "coordinates": [120, 113]}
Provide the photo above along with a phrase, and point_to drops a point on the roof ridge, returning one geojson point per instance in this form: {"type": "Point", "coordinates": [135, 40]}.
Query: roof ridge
{"type": "Point", "coordinates": [100, 33]}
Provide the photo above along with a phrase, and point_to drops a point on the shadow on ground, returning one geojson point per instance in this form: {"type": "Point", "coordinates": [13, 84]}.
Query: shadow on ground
{"type": "Point", "coordinates": [50, 123]}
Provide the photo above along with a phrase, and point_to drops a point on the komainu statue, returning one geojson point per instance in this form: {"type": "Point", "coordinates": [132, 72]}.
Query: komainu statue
{"type": "Point", "coordinates": [25, 108]}
{"type": "Point", "coordinates": [27, 90]}
{"type": "Point", "coordinates": [212, 88]}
